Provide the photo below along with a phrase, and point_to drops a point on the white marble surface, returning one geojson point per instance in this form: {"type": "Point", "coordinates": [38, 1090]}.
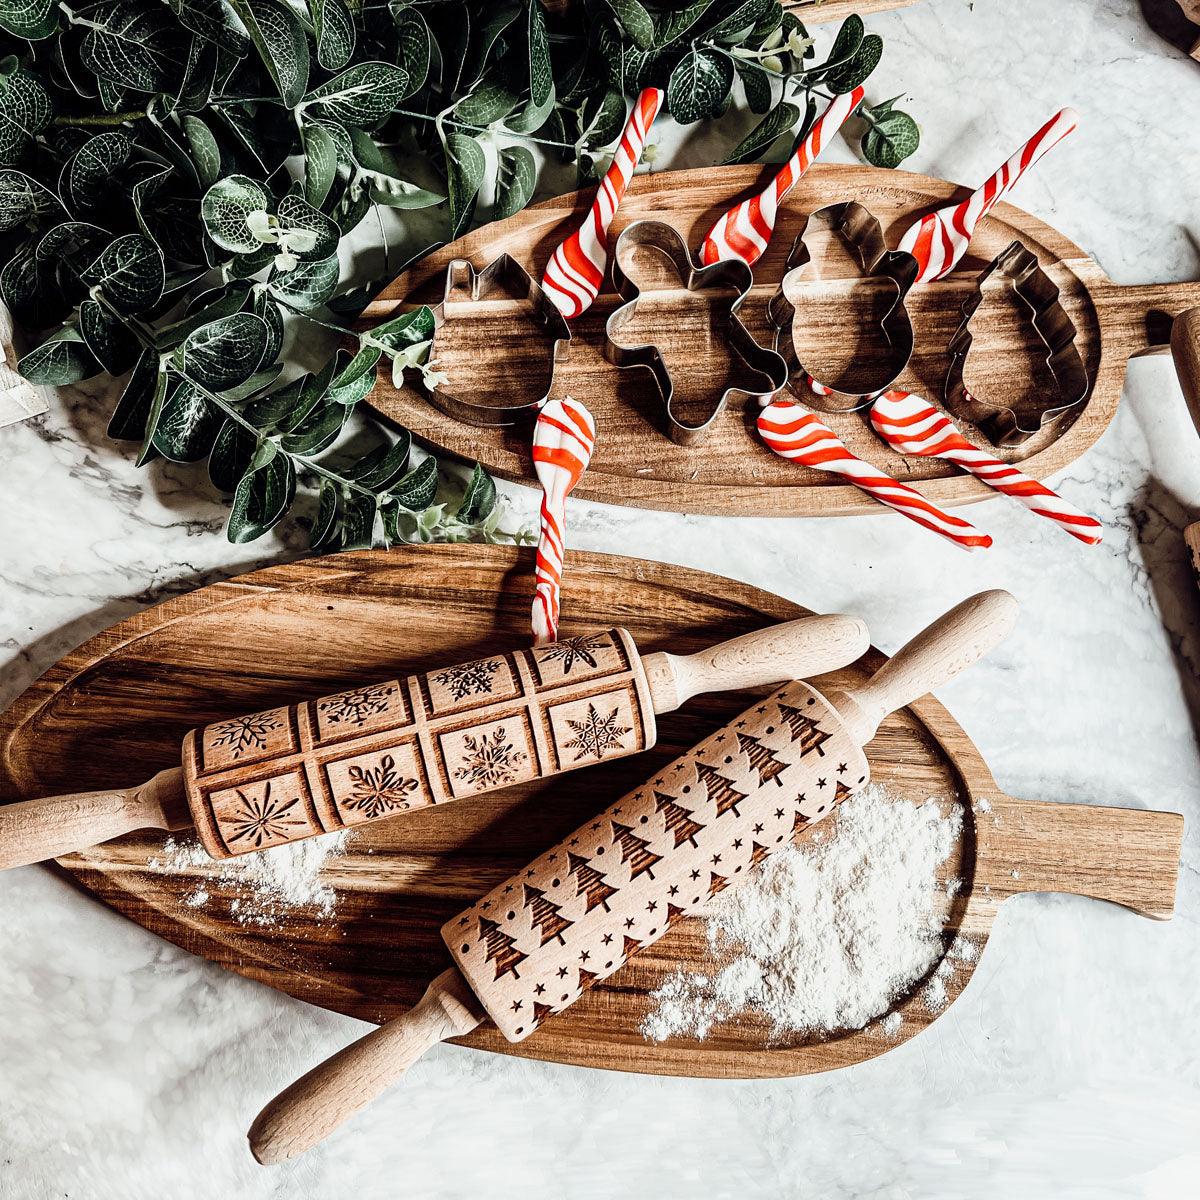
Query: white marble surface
{"type": "Point", "coordinates": [1071, 1065]}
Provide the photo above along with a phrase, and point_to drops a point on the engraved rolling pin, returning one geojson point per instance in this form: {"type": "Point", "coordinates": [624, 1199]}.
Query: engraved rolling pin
{"type": "Point", "coordinates": [532, 945]}
{"type": "Point", "coordinates": [292, 772]}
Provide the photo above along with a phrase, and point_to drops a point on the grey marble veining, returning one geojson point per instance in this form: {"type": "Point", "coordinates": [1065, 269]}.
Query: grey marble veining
{"type": "Point", "coordinates": [1071, 1065]}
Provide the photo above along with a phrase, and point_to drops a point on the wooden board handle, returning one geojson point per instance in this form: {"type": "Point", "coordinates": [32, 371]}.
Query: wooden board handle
{"type": "Point", "coordinates": [1128, 856]}
{"type": "Point", "coordinates": [330, 1094]}
{"type": "Point", "coordinates": [1185, 349]}
{"type": "Point", "coordinates": [35, 830]}
{"type": "Point", "coordinates": [777, 654]}
{"type": "Point", "coordinates": [951, 644]}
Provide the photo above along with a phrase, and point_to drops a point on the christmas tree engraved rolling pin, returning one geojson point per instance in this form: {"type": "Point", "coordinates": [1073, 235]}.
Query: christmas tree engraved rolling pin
{"type": "Point", "coordinates": [372, 752]}
{"type": "Point", "coordinates": [531, 946]}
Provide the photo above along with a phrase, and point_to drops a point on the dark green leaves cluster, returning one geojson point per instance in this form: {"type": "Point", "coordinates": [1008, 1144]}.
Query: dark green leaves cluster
{"type": "Point", "coordinates": [177, 178]}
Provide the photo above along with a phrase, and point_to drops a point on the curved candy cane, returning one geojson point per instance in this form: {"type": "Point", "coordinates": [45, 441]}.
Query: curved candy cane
{"type": "Point", "coordinates": [562, 445]}
{"type": "Point", "coordinates": [744, 231]}
{"type": "Point", "coordinates": [912, 425]}
{"type": "Point", "coordinates": [576, 269]}
{"type": "Point", "coordinates": [939, 240]}
{"type": "Point", "coordinates": [800, 436]}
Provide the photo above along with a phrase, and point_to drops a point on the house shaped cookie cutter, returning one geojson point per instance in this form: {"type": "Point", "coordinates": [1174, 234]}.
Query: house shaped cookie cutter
{"type": "Point", "coordinates": [735, 274]}
{"type": "Point", "coordinates": [504, 272]}
{"type": "Point", "coordinates": [862, 235]}
{"type": "Point", "coordinates": [1054, 328]}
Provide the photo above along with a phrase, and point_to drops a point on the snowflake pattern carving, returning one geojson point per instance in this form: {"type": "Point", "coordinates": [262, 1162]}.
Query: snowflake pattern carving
{"type": "Point", "coordinates": [596, 735]}
{"type": "Point", "coordinates": [357, 706]}
{"type": "Point", "coordinates": [380, 789]}
{"type": "Point", "coordinates": [245, 733]}
{"type": "Point", "coordinates": [471, 679]}
{"type": "Point", "coordinates": [264, 818]}
{"type": "Point", "coordinates": [490, 760]}
{"type": "Point", "coordinates": [574, 650]}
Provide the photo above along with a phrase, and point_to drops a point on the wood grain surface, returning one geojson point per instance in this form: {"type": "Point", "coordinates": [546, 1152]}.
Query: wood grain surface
{"type": "Point", "coordinates": [636, 463]}
{"type": "Point", "coordinates": [115, 709]}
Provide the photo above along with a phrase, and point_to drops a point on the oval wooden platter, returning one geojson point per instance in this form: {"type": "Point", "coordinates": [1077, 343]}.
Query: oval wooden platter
{"type": "Point", "coordinates": [491, 348]}
{"type": "Point", "coordinates": [116, 708]}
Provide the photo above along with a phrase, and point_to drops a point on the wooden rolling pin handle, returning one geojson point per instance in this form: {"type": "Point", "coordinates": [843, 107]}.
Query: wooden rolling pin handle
{"type": "Point", "coordinates": [1185, 350]}
{"type": "Point", "coordinates": [330, 1094]}
{"type": "Point", "coordinates": [951, 644]}
{"type": "Point", "coordinates": [779, 653]}
{"type": "Point", "coordinates": [36, 830]}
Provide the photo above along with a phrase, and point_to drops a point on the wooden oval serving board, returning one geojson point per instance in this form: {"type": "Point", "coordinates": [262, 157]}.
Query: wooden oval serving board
{"type": "Point", "coordinates": [116, 708]}
{"type": "Point", "coordinates": [732, 472]}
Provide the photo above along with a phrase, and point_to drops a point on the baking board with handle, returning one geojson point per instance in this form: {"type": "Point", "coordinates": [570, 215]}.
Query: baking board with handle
{"type": "Point", "coordinates": [491, 347]}
{"type": "Point", "coordinates": [120, 703]}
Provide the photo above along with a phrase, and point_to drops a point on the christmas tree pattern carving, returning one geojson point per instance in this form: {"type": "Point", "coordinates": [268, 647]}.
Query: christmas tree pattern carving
{"type": "Point", "coordinates": [635, 851]}
{"type": "Point", "coordinates": [674, 914]}
{"type": "Point", "coordinates": [761, 759]}
{"type": "Point", "coordinates": [841, 792]}
{"type": "Point", "coordinates": [500, 948]}
{"type": "Point", "coordinates": [631, 946]}
{"type": "Point", "coordinates": [679, 821]}
{"type": "Point", "coordinates": [805, 729]}
{"type": "Point", "coordinates": [757, 853]}
{"type": "Point", "coordinates": [589, 881]}
{"type": "Point", "coordinates": [799, 824]}
{"type": "Point", "coordinates": [720, 790]}
{"type": "Point", "coordinates": [540, 1012]}
{"type": "Point", "coordinates": [716, 883]}
{"type": "Point", "coordinates": [545, 914]}
{"type": "Point", "coordinates": [586, 979]}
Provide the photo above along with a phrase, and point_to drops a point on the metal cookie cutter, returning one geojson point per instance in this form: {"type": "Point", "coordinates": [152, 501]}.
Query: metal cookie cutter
{"type": "Point", "coordinates": [1057, 333]}
{"type": "Point", "coordinates": [503, 272]}
{"type": "Point", "coordinates": [735, 274]}
{"type": "Point", "coordinates": [863, 236]}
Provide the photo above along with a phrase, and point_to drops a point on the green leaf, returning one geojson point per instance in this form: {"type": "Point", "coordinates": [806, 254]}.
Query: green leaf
{"type": "Point", "coordinates": [115, 348]}
{"type": "Point", "coordinates": [225, 352]}
{"type": "Point", "coordinates": [739, 22]}
{"type": "Point", "coordinates": [847, 77]}
{"type": "Point", "coordinates": [414, 45]}
{"type": "Point", "coordinates": [699, 86]}
{"type": "Point", "coordinates": [288, 408]}
{"type": "Point", "coordinates": [188, 425]}
{"type": "Point", "coordinates": [358, 522]}
{"type": "Point", "coordinates": [232, 453]}
{"type": "Point", "coordinates": [487, 103]}
{"type": "Point", "coordinates": [672, 24]}
{"type": "Point", "coordinates": [320, 162]}
{"type": "Point", "coordinates": [317, 432]}
{"type": "Point", "coordinates": [279, 39]}
{"type": "Point", "coordinates": [29, 19]}
{"type": "Point", "coordinates": [465, 167]}
{"type": "Point", "coordinates": [602, 118]}
{"type": "Point", "coordinates": [891, 139]}
{"type": "Point", "coordinates": [130, 272]}
{"type": "Point", "coordinates": [263, 496]}
{"type": "Point", "coordinates": [325, 522]}
{"type": "Point", "coordinates": [541, 77]}
{"type": "Point", "coordinates": [321, 234]}
{"type": "Point", "coordinates": [355, 381]}
{"type": "Point", "coordinates": [516, 177]}
{"type": "Point", "coordinates": [364, 95]}
{"type": "Point", "coordinates": [215, 21]}
{"type": "Point", "coordinates": [488, 40]}
{"type": "Point", "coordinates": [25, 111]}
{"type": "Point", "coordinates": [418, 488]}
{"type": "Point", "coordinates": [846, 44]}
{"type": "Point", "coordinates": [62, 358]}
{"type": "Point", "coordinates": [205, 151]}
{"type": "Point", "coordinates": [138, 400]}
{"type": "Point", "coordinates": [334, 27]}
{"type": "Point", "coordinates": [93, 166]}
{"type": "Point", "coordinates": [780, 120]}
{"type": "Point", "coordinates": [225, 207]}
{"type": "Point", "coordinates": [383, 465]}
{"type": "Point", "coordinates": [757, 85]}
{"type": "Point", "coordinates": [134, 45]}
{"type": "Point", "coordinates": [635, 20]}
{"type": "Point", "coordinates": [479, 498]}
{"type": "Point", "coordinates": [408, 329]}
{"type": "Point", "coordinates": [309, 284]}
{"type": "Point", "coordinates": [195, 90]}
{"type": "Point", "coordinates": [23, 199]}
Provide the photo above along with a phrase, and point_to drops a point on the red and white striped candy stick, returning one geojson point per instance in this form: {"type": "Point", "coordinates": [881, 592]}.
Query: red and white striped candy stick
{"type": "Point", "coordinates": [912, 425]}
{"type": "Point", "coordinates": [562, 445]}
{"type": "Point", "coordinates": [796, 434]}
{"type": "Point", "coordinates": [938, 241]}
{"type": "Point", "coordinates": [744, 231]}
{"type": "Point", "coordinates": [575, 271]}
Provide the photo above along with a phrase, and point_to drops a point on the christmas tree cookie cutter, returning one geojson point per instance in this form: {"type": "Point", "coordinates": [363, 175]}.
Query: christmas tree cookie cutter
{"type": "Point", "coordinates": [757, 360]}
{"type": "Point", "coordinates": [1039, 294]}
{"type": "Point", "coordinates": [502, 273]}
{"type": "Point", "coordinates": [862, 234]}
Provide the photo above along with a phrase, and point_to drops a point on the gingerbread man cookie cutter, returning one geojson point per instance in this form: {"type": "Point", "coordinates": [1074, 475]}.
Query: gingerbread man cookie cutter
{"type": "Point", "coordinates": [1040, 295]}
{"type": "Point", "coordinates": [862, 235]}
{"type": "Point", "coordinates": [733, 273]}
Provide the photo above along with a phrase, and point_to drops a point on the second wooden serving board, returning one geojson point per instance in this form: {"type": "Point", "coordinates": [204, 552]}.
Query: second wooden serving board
{"type": "Point", "coordinates": [116, 708]}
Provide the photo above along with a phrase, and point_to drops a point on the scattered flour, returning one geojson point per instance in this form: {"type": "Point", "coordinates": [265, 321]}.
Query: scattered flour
{"type": "Point", "coordinates": [824, 937]}
{"type": "Point", "coordinates": [269, 883]}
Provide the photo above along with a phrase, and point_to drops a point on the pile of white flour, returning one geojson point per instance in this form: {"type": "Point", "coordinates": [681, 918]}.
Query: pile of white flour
{"type": "Point", "coordinates": [827, 936]}
{"type": "Point", "coordinates": [268, 883]}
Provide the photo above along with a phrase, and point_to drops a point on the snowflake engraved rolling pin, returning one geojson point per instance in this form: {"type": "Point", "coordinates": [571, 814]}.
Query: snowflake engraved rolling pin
{"type": "Point", "coordinates": [292, 772]}
{"type": "Point", "coordinates": [534, 944]}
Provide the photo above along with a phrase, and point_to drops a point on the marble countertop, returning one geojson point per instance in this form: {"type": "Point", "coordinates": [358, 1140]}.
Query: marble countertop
{"type": "Point", "coordinates": [1070, 1066]}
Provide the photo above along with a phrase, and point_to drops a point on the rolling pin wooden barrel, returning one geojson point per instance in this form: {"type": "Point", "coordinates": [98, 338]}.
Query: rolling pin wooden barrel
{"type": "Point", "coordinates": [534, 944]}
{"type": "Point", "coordinates": [372, 752]}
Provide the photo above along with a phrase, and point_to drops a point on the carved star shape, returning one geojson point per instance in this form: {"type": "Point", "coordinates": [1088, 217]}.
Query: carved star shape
{"type": "Point", "coordinates": [820, 783]}
{"type": "Point", "coordinates": [842, 768]}
{"type": "Point", "coordinates": [562, 972]}
{"type": "Point", "coordinates": [758, 828]}
{"type": "Point", "coordinates": [673, 890]}
{"type": "Point", "coordinates": [628, 922]}
{"type": "Point", "coordinates": [607, 938]}
{"type": "Point", "coordinates": [740, 725]}
{"type": "Point", "coordinates": [716, 858]}
{"type": "Point", "coordinates": [695, 874]}
{"type": "Point", "coordinates": [652, 906]}
{"type": "Point", "coordinates": [737, 843]}
{"type": "Point", "coordinates": [584, 955]}
{"type": "Point", "coordinates": [573, 842]}
{"type": "Point", "coordinates": [779, 812]}
{"type": "Point", "coordinates": [541, 987]}
{"type": "Point", "coordinates": [508, 889]}
{"type": "Point", "coordinates": [516, 1005]}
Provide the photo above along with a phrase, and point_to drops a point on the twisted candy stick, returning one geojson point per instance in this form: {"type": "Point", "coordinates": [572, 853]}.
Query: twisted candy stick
{"type": "Point", "coordinates": [912, 425]}
{"type": "Point", "coordinates": [562, 446]}
{"type": "Point", "coordinates": [796, 434]}
{"type": "Point", "coordinates": [744, 231]}
{"type": "Point", "coordinates": [576, 269]}
{"type": "Point", "coordinates": [939, 240]}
